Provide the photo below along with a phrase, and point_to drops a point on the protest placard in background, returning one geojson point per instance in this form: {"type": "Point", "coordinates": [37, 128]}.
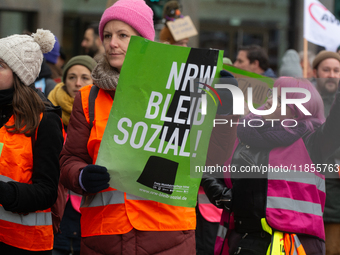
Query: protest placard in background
{"type": "Point", "coordinates": [182, 28]}
{"type": "Point", "coordinates": [155, 130]}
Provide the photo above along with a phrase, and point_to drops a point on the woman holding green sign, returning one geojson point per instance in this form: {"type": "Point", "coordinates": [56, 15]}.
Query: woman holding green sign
{"type": "Point", "coordinates": [114, 222]}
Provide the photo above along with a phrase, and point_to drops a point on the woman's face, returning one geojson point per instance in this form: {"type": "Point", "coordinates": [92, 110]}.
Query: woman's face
{"type": "Point", "coordinates": [6, 76]}
{"type": "Point", "coordinates": [77, 77]}
{"type": "Point", "coordinates": [117, 36]}
{"type": "Point", "coordinates": [277, 113]}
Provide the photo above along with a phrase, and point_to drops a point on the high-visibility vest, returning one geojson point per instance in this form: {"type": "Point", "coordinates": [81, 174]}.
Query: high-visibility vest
{"type": "Point", "coordinates": [32, 231]}
{"type": "Point", "coordinates": [209, 211]}
{"type": "Point", "coordinates": [114, 212]}
{"type": "Point", "coordinates": [282, 243]}
{"type": "Point", "coordinates": [296, 193]}
{"type": "Point", "coordinates": [295, 196]}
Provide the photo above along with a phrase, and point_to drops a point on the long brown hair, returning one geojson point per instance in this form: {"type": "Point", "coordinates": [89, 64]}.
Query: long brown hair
{"type": "Point", "coordinates": [27, 107]}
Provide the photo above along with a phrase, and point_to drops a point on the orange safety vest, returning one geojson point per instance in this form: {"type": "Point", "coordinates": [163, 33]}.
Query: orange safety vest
{"type": "Point", "coordinates": [111, 211]}
{"type": "Point", "coordinates": [292, 245]}
{"type": "Point", "coordinates": [32, 231]}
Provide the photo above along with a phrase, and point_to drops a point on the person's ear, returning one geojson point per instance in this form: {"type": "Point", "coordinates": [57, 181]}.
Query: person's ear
{"type": "Point", "coordinates": [254, 65]}
{"type": "Point", "coordinates": [315, 73]}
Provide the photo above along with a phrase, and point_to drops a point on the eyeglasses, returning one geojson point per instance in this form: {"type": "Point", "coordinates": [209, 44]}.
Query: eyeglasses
{"type": "Point", "coordinates": [270, 95]}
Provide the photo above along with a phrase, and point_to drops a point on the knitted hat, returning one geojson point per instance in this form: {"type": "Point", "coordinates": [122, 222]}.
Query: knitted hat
{"type": "Point", "coordinates": [324, 54]}
{"type": "Point", "coordinates": [291, 65]}
{"type": "Point", "coordinates": [135, 13]}
{"type": "Point", "coordinates": [53, 55]}
{"type": "Point", "coordinates": [24, 53]}
{"type": "Point", "coordinates": [83, 60]}
{"type": "Point", "coordinates": [227, 61]}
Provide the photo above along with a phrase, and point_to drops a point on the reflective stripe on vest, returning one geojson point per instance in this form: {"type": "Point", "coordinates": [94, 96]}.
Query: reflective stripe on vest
{"type": "Point", "coordinates": [110, 197]}
{"type": "Point", "coordinates": [221, 244]}
{"type": "Point", "coordinates": [209, 211]}
{"type": "Point", "coordinates": [300, 177]}
{"type": "Point", "coordinates": [133, 197]}
{"type": "Point", "coordinates": [293, 245]}
{"type": "Point", "coordinates": [5, 179]}
{"type": "Point", "coordinates": [113, 212]}
{"type": "Point", "coordinates": [203, 199]}
{"type": "Point", "coordinates": [32, 231]}
{"type": "Point", "coordinates": [294, 205]}
{"type": "Point", "coordinates": [222, 231]}
{"type": "Point", "coordinates": [31, 219]}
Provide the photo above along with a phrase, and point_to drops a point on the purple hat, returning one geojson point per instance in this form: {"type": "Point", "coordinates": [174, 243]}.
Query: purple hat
{"type": "Point", "coordinates": [135, 13]}
{"type": "Point", "coordinates": [53, 55]}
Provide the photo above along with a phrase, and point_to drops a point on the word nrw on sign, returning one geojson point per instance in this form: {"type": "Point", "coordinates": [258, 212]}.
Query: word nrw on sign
{"type": "Point", "coordinates": [238, 100]}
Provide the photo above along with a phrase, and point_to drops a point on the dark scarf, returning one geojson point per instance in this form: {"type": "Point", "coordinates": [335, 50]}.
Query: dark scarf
{"type": "Point", "coordinates": [6, 96]}
{"type": "Point", "coordinates": [268, 137]}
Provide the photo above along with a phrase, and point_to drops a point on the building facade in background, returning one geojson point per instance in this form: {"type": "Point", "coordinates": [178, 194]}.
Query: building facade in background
{"type": "Point", "coordinates": [222, 24]}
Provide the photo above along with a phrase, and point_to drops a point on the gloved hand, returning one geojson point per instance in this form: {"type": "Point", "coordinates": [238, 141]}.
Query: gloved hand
{"type": "Point", "coordinates": [217, 192]}
{"type": "Point", "coordinates": [94, 178]}
{"type": "Point", "coordinates": [226, 97]}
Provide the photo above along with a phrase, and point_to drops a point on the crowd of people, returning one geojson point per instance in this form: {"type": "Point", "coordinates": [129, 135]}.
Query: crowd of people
{"type": "Point", "coordinates": [55, 199]}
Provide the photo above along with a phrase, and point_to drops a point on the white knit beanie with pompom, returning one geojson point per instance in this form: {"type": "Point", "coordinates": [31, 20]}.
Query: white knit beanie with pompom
{"type": "Point", "coordinates": [24, 53]}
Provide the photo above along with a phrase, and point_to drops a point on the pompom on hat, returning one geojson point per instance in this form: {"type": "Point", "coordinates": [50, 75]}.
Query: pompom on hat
{"type": "Point", "coordinates": [24, 53]}
{"type": "Point", "coordinates": [135, 13]}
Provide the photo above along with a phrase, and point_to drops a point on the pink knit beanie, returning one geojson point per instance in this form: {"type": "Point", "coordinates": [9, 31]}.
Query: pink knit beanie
{"type": "Point", "coordinates": [136, 13]}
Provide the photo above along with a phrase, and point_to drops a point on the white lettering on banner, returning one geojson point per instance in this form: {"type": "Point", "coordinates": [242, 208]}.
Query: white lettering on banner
{"type": "Point", "coordinates": [174, 76]}
{"type": "Point", "coordinates": [181, 109]}
{"type": "Point", "coordinates": [134, 135]}
{"type": "Point", "coordinates": [320, 26]}
{"type": "Point", "coordinates": [153, 104]}
{"type": "Point", "coordinates": [207, 76]}
{"type": "Point", "coordinates": [153, 137]}
{"type": "Point", "coordinates": [145, 132]}
{"type": "Point", "coordinates": [125, 133]}
{"type": "Point", "coordinates": [165, 108]}
{"type": "Point", "coordinates": [140, 135]}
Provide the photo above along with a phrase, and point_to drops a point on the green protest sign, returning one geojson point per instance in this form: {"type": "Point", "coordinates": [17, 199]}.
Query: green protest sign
{"type": "Point", "coordinates": [156, 132]}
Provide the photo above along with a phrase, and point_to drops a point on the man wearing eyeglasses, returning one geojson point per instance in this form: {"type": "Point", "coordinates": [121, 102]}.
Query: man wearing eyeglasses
{"type": "Point", "coordinates": [326, 70]}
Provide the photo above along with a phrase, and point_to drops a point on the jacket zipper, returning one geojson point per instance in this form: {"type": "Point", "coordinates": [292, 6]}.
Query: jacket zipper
{"type": "Point", "coordinates": [246, 159]}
